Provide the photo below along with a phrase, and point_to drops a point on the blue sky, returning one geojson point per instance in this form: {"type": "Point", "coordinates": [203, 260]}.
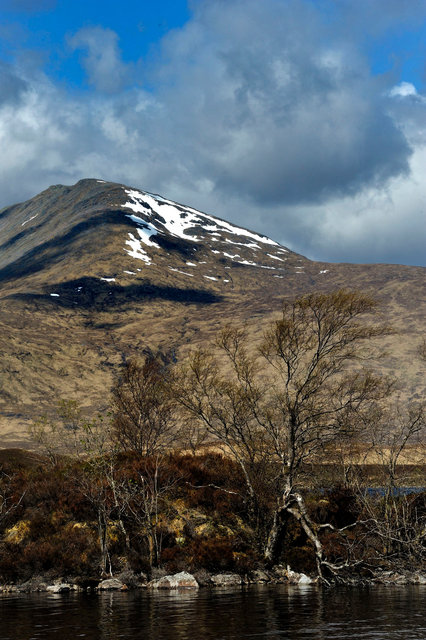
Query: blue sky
{"type": "Point", "coordinates": [45, 28]}
{"type": "Point", "coordinates": [303, 120]}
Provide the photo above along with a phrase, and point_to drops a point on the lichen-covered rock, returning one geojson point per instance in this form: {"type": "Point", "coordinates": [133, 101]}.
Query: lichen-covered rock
{"type": "Point", "coordinates": [111, 584]}
{"type": "Point", "coordinates": [17, 533]}
{"type": "Point", "coordinates": [226, 580]}
{"type": "Point", "coordinates": [182, 580]}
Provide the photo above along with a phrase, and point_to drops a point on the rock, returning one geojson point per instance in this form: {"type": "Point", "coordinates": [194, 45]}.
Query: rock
{"type": "Point", "coordinates": [259, 577]}
{"type": "Point", "coordinates": [61, 587]}
{"type": "Point", "coordinates": [391, 577]}
{"type": "Point", "coordinates": [9, 588]}
{"type": "Point", "coordinates": [203, 577]}
{"type": "Point", "coordinates": [279, 574]}
{"type": "Point", "coordinates": [182, 580]}
{"type": "Point", "coordinates": [399, 578]}
{"type": "Point", "coordinates": [111, 584]}
{"type": "Point", "coordinates": [33, 585]}
{"type": "Point", "coordinates": [226, 580]}
{"type": "Point", "coordinates": [87, 583]}
{"type": "Point", "coordinates": [132, 580]}
{"type": "Point", "coordinates": [298, 578]}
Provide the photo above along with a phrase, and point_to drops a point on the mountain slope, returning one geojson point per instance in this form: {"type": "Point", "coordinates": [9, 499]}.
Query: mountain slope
{"type": "Point", "coordinates": [96, 272]}
{"type": "Point", "coordinates": [116, 233]}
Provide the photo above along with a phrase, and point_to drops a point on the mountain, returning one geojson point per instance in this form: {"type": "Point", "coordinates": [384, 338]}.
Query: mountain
{"type": "Point", "coordinates": [93, 273]}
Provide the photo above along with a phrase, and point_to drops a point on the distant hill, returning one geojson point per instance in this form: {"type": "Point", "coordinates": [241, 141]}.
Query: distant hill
{"type": "Point", "coordinates": [93, 273]}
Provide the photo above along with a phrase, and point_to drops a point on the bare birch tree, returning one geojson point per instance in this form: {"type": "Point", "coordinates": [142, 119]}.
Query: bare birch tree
{"type": "Point", "coordinates": [143, 408]}
{"type": "Point", "coordinates": [396, 519]}
{"type": "Point", "coordinates": [279, 408]}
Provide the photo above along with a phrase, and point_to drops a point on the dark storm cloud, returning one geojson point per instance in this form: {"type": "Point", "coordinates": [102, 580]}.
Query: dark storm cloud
{"type": "Point", "coordinates": [285, 114]}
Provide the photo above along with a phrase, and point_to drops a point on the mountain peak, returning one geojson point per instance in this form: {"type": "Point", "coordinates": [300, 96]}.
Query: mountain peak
{"type": "Point", "coordinates": [115, 233]}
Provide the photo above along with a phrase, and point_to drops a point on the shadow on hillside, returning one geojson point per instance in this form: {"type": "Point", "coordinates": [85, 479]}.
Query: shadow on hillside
{"type": "Point", "coordinates": [92, 293]}
{"type": "Point", "coordinates": [53, 250]}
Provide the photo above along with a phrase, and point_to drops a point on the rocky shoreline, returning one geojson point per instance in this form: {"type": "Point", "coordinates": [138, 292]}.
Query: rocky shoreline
{"type": "Point", "coordinates": [183, 580]}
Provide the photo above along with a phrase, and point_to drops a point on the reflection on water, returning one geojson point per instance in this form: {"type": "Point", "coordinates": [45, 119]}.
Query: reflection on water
{"type": "Point", "coordinates": [257, 612]}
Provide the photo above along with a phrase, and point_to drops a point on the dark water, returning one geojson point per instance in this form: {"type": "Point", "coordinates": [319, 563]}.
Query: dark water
{"type": "Point", "coordinates": [258, 612]}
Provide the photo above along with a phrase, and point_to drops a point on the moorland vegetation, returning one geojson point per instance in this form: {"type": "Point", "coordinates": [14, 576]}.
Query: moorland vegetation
{"type": "Point", "coordinates": [237, 457]}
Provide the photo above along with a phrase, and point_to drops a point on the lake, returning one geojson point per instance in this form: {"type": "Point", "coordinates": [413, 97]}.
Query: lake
{"type": "Point", "coordinates": [374, 613]}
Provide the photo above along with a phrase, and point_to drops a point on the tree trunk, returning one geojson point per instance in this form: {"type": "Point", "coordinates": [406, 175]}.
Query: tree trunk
{"type": "Point", "coordinates": [279, 521]}
{"type": "Point", "coordinates": [273, 544]}
{"type": "Point", "coordinates": [301, 514]}
{"type": "Point", "coordinates": [103, 542]}
{"type": "Point", "coordinates": [297, 509]}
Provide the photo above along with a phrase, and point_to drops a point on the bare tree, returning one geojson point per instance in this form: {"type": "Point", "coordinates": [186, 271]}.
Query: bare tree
{"type": "Point", "coordinates": [278, 408]}
{"type": "Point", "coordinates": [397, 445]}
{"type": "Point", "coordinates": [143, 491]}
{"type": "Point", "coordinates": [60, 433]}
{"type": "Point", "coordinates": [143, 407]}
{"type": "Point", "coordinates": [67, 437]}
{"type": "Point", "coordinates": [8, 501]}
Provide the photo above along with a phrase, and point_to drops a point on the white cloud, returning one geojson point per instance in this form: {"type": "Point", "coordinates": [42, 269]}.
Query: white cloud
{"type": "Point", "coordinates": [403, 90]}
{"type": "Point", "coordinates": [260, 113]}
{"type": "Point", "coordinates": [102, 60]}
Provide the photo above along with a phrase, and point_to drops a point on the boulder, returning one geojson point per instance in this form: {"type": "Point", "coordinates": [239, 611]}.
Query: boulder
{"type": "Point", "coordinates": [111, 584]}
{"type": "Point", "coordinates": [203, 577]}
{"type": "Point", "coordinates": [279, 574]}
{"type": "Point", "coordinates": [304, 579]}
{"type": "Point", "coordinates": [9, 588]}
{"type": "Point", "coordinates": [182, 580]}
{"type": "Point", "coordinates": [259, 577]}
{"type": "Point", "coordinates": [61, 587]}
{"type": "Point", "coordinates": [34, 584]}
{"type": "Point", "coordinates": [298, 578]}
{"type": "Point", "coordinates": [132, 580]}
{"type": "Point", "coordinates": [226, 580]}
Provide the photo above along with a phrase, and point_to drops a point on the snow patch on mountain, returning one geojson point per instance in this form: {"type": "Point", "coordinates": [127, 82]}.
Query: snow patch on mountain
{"type": "Point", "coordinates": [176, 222]}
{"type": "Point", "coordinates": [156, 216]}
{"type": "Point", "coordinates": [179, 220]}
{"type": "Point", "coordinates": [29, 220]}
{"type": "Point", "coordinates": [136, 250]}
{"type": "Point", "coordinates": [145, 230]}
{"type": "Point", "coordinates": [184, 273]}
